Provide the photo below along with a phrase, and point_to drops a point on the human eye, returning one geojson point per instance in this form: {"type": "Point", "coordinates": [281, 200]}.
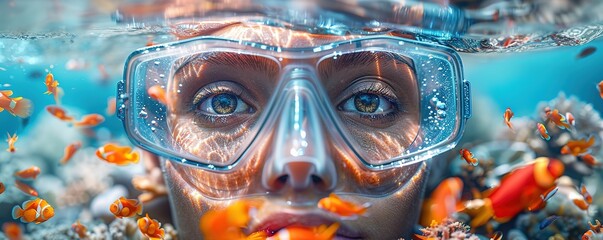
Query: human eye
{"type": "Point", "coordinates": [220, 104]}
{"type": "Point", "coordinates": [370, 100]}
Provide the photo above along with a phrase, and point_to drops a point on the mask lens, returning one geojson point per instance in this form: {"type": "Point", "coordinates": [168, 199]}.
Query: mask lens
{"type": "Point", "coordinates": [376, 100]}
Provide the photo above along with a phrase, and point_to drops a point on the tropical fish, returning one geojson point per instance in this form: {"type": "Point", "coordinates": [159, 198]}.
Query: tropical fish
{"type": "Point", "coordinates": [123, 207]}
{"type": "Point", "coordinates": [150, 228]}
{"type": "Point", "coordinates": [547, 221]}
{"type": "Point", "coordinates": [587, 197]}
{"type": "Point", "coordinates": [421, 237]}
{"type": "Point", "coordinates": [589, 159]}
{"type": "Point", "coordinates": [31, 172]}
{"type": "Point", "coordinates": [507, 117]}
{"type": "Point", "coordinates": [111, 106]}
{"type": "Point", "coordinates": [2, 187]}
{"type": "Point", "coordinates": [497, 236]}
{"type": "Point", "coordinates": [118, 155]}
{"type": "Point", "coordinates": [26, 188]}
{"type": "Point", "coordinates": [70, 151]}
{"type": "Point", "coordinates": [468, 157]}
{"type": "Point", "coordinates": [544, 134]}
{"type": "Point", "coordinates": [36, 211]}
{"type": "Point", "coordinates": [321, 232]}
{"type": "Point", "coordinates": [444, 200]}
{"type": "Point", "coordinates": [90, 120]}
{"type": "Point", "coordinates": [507, 200]}
{"type": "Point", "coordinates": [158, 94]}
{"type": "Point", "coordinates": [228, 223]}
{"type": "Point", "coordinates": [558, 119]}
{"type": "Point", "coordinates": [340, 207]}
{"type": "Point", "coordinates": [150, 41]}
{"type": "Point", "coordinates": [570, 118]}
{"type": "Point", "coordinates": [580, 203]}
{"type": "Point", "coordinates": [600, 88]}
{"type": "Point", "coordinates": [586, 52]}
{"type": "Point", "coordinates": [11, 142]}
{"type": "Point", "coordinates": [12, 230]}
{"type": "Point", "coordinates": [540, 204]}
{"type": "Point", "coordinates": [596, 227]}
{"type": "Point", "coordinates": [79, 229]}
{"type": "Point", "coordinates": [19, 106]}
{"type": "Point", "coordinates": [52, 87]}
{"type": "Point", "coordinates": [59, 113]}
{"type": "Point", "coordinates": [577, 147]}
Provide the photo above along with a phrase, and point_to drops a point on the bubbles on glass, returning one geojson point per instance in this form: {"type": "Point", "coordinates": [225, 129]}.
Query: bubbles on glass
{"type": "Point", "coordinates": [143, 113]}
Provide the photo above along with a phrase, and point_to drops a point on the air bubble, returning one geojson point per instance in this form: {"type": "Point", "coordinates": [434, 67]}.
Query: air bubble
{"type": "Point", "coordinates": [153, 129]}
{"type": "Point", "coordinates": [430, 56]}
{"type": "Point", "coordinates": [143, 113]}
{"type": "Point", "coordinates": [156, 62]}
{"type": "Point", "coordinates": [441, 105]}
{"type": "Point", "coordinates": [441, 114]}
{"type": "Point", "coordinates": [440, 69]}
{"type": "Point", "coordinates": [162, 75]}
{"type": "Point", "coordinates": [154, 123]}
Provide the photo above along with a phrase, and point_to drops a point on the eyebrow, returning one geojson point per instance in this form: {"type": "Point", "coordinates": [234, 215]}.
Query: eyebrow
{"type": "Point", "coordinates": [243, 62]}
{"type": "Point", "coordinates": [359, 59]}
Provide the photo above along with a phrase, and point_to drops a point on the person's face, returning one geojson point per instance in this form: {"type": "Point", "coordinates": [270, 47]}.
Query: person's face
{"type": "Point", "coordinates": [229, 105]}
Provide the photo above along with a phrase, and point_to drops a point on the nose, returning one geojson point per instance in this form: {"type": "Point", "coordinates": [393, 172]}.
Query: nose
{"type": "Point", "coordinates": [299, 159]}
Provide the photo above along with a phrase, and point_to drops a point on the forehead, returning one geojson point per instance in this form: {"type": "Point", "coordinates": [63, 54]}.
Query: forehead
{"type": "Point", "coordinates": [269, 35]}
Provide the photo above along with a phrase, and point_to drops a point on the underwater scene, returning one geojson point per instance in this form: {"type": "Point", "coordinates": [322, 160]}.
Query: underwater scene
{"type": "Point", "coordinates": [529, 163]}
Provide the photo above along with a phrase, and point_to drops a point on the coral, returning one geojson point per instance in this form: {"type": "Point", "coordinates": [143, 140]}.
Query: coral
{"type": "Point", "coordinates": [448, 229]}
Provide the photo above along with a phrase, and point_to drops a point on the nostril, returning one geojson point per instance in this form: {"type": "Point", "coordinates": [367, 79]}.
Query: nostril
{"type": "Point", "coordinates": [282, 179]}
{"type": "Point", "coordinates": [316, 180]}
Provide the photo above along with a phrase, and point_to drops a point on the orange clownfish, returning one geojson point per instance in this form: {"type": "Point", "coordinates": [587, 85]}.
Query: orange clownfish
{"type": "Point", "coordinates": [36, 211]}
{"type": "Point", "coordinates": [2, 187]}
{"type": "Point", "coordinates": [600, 87]}
{"type": "Point", "coordinates": [59, 113]}
{"type": "Point", "coordinates": [508, 115]}
{"type": "Point", "coordinates": [52, 87]}
{"type": "Point", "coordinates": [544, 134]}
{"type": "Point", "coordinates": [589, 159]}
{"type": "Point", "coordinates": [11, 142]}
{"type": "Point", "coordinates": [79, 229]}
{"type": "Point", "coordinates": [587, 197]}
{"type": "Point", "coordinates": [507, 200]}
{"type": "Point", "coordinates": [340, 207]}
{"type": "Point", "coordinates": [321, 232]}
{"type": "Point", "coordinates": [26, 188]}
{"type": "Point", "coordinates": [468, 157]}
{"type": "Point", "coordinates": [123, 207]}
{"type": "Point", "coordinates": [228, 223]}
{"type": "Point", "coordinates": [443, 201]}
{"type": "Point", "coordinates": [70, 151]}
{"type": "Point", "coordinates": [31, 172]}
{"type": "Point", "coordinates": [158, 94]}
{"type": "Point", "coordinates": [150, 228]}
{"type": "Point", "coordinates": [558, 119]}
{"type": "Point", "coordinates": [111, 106]}
{"type": "Point", "coordinates": [90, 120]}
{"type": "Point", "coordinates": [19, 106]}
{"type": "Point", "coordinates": [570, 118]}
{"type": "Point", "coordinates": [577, 147]}
{"type": "Point", "coordinates": [12, 230]}
{"type": "Point", "coordinates": [117, 155]}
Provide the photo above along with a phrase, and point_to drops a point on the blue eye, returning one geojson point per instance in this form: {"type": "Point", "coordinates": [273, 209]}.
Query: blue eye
{"type": "Point", "coordinates": [223, 104]}
{"type": "Point", "coordinates": [367, 103]}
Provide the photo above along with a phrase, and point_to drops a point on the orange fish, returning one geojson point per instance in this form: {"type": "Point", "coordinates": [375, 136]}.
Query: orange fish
{"type": "Point", "coordinates": [117, 155]}
{"type": "Point", "coordinates": [468, 157]}
{"type": "Point", "coordinates": [507, 117]}
{"type": "Point", "coordinates": [59, 113]}
{"type": "Point", "coordinates": [104, 75]}
{"type": "Point", "coordinates": [150, 228]}
{"type": "Point", "coordinates": [111, 106]}
{"type": "Point", "coordinates": [589, 159]}
{"type": "Point", "coordinates": [541, 203]}
{"type": "Point", "coordinates": [444, 200]}
{"type": "Point", "coordinates": [507, 200]}
{"type": "Point", "coordinates": [570, 118]}
{"type": "Point", "coordinates": [321, 232]}
{"type": "Point", "coordinates": [158, 94]}
{"type": "Point", "coordinates": [70, 151]}
{"type": "Point", "coordinates": [600, 87]}
{"type": "Point", "coordinates": [544, 134]}
{"type": "Point", "coordinates": [2, 187]}
{"type": "Point", "coordinates": [596, 227]}
{"type": "Point", "coordinates": [577, 147]}
{"type": "Point", "coordinates": [123, 207]}
{"type": "Point", "coordinates": [587, 197]}
{"type": "Point", "coordinates": [79, 229]}
{"type": "Point", "coordinates": [90, 120]}
{"type": "Point", "coordinates": [12, 230]}
{"type": "Point", "coordinates": [31, 172]}
{"type": "Point", "coordinates": [228, 223]}
{"type": "Point", "coordinates": [52, 87]}
{"type": "Point", "coordinates": [497, 236]}
{"type": "Point", "coordinates": [340, 207]}
{"type": "Point", "coordinates": [421, 237]}
{"type": "Point", "coordinates": [558, 119]}
{"type": "Point", "coordinates": [11, 142]}
{"type": "Point", "coordinates": [26, 188]}
{"type": "Point", "coordinates": [19, 106]}
{"type": "Point", "coordinates": [36, 211]}
{"type": "Point", "coordinates": [150, 41]}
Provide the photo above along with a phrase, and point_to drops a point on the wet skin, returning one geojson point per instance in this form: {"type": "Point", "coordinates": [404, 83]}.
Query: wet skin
{"type": "Point", "coordinates": [194, 191]}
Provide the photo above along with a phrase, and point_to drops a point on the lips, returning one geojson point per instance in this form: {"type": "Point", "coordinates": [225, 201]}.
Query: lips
{"type": "Point", "coordinates": [277, 221]}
